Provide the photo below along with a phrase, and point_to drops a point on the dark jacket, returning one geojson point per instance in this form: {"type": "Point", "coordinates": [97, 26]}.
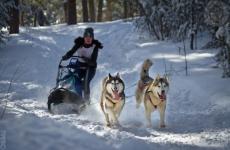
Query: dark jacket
{"type": "Point", "coordinates": [79, 42]}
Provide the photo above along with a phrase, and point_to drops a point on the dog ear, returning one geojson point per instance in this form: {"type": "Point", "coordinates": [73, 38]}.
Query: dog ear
{"type": "Point", "coordinates": [118, 75]}
{"type": "Point", "coordinates": [110, 76]}
{"type": "Point", "coordinates": [155, 82]}
{"type": "Point", "coordinates": [151, 84]}
{"type": "Point", "coordinates": [158, 77]}
{"type": "Point", "coordinates": [166, 77]}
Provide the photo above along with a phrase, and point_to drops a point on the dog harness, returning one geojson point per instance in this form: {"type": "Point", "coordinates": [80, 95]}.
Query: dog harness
{"type": "Point", "coordinates": [142, 85]}
{"type": "Point", "coordinates": [144, 82]}
{"type": "Point", "coordinates": [153, 99]}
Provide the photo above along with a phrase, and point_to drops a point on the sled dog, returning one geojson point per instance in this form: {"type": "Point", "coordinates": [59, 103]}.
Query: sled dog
{"type": "Point", "coordinates": [155, 97]}
{"type": "Point", "coordinates": [112, 98]}
{"type": "Point", "coordinates": [153, 92]}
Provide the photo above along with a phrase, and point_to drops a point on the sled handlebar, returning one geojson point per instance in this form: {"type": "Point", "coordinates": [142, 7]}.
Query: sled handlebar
{"type": "Point", "coordinates": [74, 57]}
{"type": "Point", "coordinates": [68, 66]}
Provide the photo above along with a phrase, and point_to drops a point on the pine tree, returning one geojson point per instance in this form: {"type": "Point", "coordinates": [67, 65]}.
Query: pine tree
{"type": "Point", "coordinates": [85, 10]}
{"type": "Point", "coordinates": [14, 18]}
{"type": "Point", "coordinates": [72, 17]}
{"type": "Point", "coordinates": [109, 10]}
{"type": "Point", "coordinates": [125, 5]}
{"type": "Point", "coordinates": [92, 10]}
{"type": "Point", "coordinates": [99, 12]}
{"type": "Point", "coordinates": [5, 6]}
{"type": "Point", "coordinates": [65, 6]}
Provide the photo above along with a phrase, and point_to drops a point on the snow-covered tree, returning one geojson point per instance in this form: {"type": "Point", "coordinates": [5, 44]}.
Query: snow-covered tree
{"type": "Point", "coordinates": [5, 6]}
{"type": "Point", "coordinates": [217, 16]}
{"type": "Point", "coordinates": [172, 18]}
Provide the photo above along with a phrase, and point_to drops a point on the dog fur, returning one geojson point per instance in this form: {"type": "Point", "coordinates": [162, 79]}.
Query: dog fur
{"type": "Point", "coordinates": [112, 102]}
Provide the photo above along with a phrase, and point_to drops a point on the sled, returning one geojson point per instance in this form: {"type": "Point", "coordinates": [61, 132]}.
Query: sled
{"type": "Point", "coordinates": [64, 91]}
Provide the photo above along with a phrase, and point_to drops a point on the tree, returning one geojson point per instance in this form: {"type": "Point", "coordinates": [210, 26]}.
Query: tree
{"type": "Point", "coordinates": [65, 5]}
{"type": "Point", "coordinates": [42, 20]}
{"type": "Point", "coordinates": [99, 11]}
{"type": "Point", "coordinates": [85, 11]}
{"type": "Point", "coordinates": [125, 5]}
{"type": "Point", "coordinates": [168, 19]}
{"type": "Point", "coordinates": [217, 16]}
{"type": "Point", "coordinates": [92, 11]}
{"type": "Point", "coordinates": [109, 10]}
{"type": "Point", "coordinates": [131, 8]}
{"type": "Point", "coordinates": [72, 16]}
{"type": "Point", "coordinates": [5, 6]}
{"type": "Point", "coordinates": [14, 18]}
{"type": "Point", "coordinates": [21, 15]}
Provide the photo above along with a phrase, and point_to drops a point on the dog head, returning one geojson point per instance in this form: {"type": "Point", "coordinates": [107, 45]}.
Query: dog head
{"type": "Point", "coordinates": [160, 87]}
{"type": "Point", "coordinates": [115, 86]}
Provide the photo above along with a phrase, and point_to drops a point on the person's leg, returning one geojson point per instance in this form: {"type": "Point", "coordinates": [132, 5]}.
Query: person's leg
{"type": "Point", "coordinates": [79, 74]}
{"type": "Point", "coordinates": [88, 78]}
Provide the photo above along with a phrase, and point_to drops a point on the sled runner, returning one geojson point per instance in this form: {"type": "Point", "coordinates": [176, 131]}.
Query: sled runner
{"type": "Point", "coordinates": [65, 89]}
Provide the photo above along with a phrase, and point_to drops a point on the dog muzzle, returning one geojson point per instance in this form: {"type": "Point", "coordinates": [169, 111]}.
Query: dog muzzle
{"type": "Point", "coordinates": [116, 95]}
{"type": "Point", "coordinates": [162, 96]}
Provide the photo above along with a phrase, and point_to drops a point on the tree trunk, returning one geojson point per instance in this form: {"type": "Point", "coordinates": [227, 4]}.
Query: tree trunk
{"type": "Point", "coordinates": [21, 15]}
{"type": "Point", "coordinates": [72, 12]}
{"type": "Point", "coordinates": [92, 11]}
{"type": "Point", "coordinates": [22, 18]}
{"type": "Point", "coordinates": [99, 13]}
{"type": "Point", "coordinates": [125, 3]}
{"type": "Point", "coordinates": [35, 19]}
{"type": "Point", "coordinates": [141, 12]}
{"type": "Point", "coordinates": [192, 26]}
{"type": "Point", "coordinates": [65, 5]}
{"type": "Point", "coordinates": [130, 10]}
{"type": "Point", "coordinates": [85, 11]}
{"type": "Point", "coordinates": [14, 19]}
{"type": "Point", "coordinates": [149, 22]}
{"type": "Point", "coordinates": [192, 41]}
{"type": "Point", "coordinates": [109, 10]}
{"type": "Point", "coordinates": [42, 20]}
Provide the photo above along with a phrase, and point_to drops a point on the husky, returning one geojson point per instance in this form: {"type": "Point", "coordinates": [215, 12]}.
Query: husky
{"type": "Point", "coordinates": [112, 99]}
{"type": "Point", "coordinates": [144, 80]}
{"type": "Point", "coordinates": [155, 98]}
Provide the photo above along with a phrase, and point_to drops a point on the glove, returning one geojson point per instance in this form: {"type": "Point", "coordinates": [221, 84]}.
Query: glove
{"type": "Point", "coordinates": [64, 57]}
{"type": "Point", "coordinates": [98, 44]}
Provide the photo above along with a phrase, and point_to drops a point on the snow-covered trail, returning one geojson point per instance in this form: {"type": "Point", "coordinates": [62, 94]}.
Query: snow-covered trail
{"type": "Point", "coordinates": [197, 114]}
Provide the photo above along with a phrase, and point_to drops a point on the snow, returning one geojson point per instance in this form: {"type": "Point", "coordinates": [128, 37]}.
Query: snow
{"type": "Point", "coordinates": [197, 115]}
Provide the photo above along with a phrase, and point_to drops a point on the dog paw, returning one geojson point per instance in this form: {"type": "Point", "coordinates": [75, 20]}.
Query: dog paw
{"type": "Point", "coordinates": [162, 126]}
{"type": "Point", "coordinates": [137, 106]}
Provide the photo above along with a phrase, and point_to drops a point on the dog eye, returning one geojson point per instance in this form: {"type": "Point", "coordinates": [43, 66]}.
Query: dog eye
{"type": "Point", "coordinates": [159, 86]}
